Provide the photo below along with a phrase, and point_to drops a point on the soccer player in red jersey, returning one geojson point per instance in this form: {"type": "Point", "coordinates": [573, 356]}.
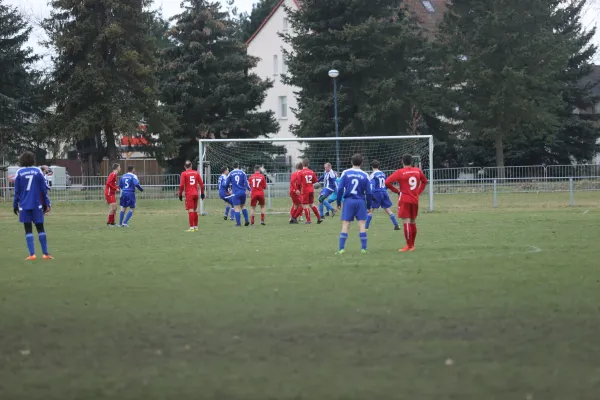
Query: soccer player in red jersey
{"type": "Point", "coordinates": [306, 178]}
{"type": "Point", "coordinates": [110, 193]}
{"type": "Point", "coordinates": [296, 209]}
{"type": "Point", "coordinates": [412, 183]}
{"type": "Point", "coordinates": [190, 182]}
{"type": "Point", "coordinates": [258, 184]}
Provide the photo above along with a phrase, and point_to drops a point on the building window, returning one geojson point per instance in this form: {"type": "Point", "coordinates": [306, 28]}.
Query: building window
{"type": "Point", "coordinates": [275, 65]}
{"type": "Point", "coordinates": [283, 107]}
{"type": "Point", "coordinates": [428, 6]}
{"type": "Point", "coordinates": [283, 65]}
{"type": "Point", "coordinates": [285, 24]}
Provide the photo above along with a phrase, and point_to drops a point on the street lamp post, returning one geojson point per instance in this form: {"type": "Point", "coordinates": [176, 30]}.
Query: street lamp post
{"type": "Point", "coordinates": [333, 74]}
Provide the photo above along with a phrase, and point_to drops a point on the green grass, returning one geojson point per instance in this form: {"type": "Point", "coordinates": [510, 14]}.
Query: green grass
{"type": "Point", "coordinates": [511, 296]}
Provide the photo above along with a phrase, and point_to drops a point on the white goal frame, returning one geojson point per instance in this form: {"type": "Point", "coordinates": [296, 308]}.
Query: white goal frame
{"type": "Point", "coordinates": [202, 153]}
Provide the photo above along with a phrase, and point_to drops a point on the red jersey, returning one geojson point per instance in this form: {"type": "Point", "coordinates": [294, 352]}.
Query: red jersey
{"type": "Point", "coordinates": [306, 178]}
{"type": "Point", "coordinates": [294, 181]}
{"type": "Point", "coordinates": [190, 180]}
{"type": "Point", "coordinates": [412, 183]}
{"type": "Point", "coordinates": [111, 184]}
{"type": "Point", "coordinates": [258, 183]}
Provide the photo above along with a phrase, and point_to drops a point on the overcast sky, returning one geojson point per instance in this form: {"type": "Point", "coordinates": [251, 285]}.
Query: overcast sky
{"type": "Point", "coordinates": [37, 10]}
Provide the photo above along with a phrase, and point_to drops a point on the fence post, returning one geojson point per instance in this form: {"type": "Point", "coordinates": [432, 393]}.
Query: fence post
{"type": "Point", "coordinates": [571, 200]}
{"type": "Point", "coordinates": [268, 196]}
{"type": "Point", "coordinates": [495, 193]}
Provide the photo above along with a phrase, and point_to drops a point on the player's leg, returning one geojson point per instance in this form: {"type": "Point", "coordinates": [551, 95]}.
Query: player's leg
{"type": "Point", "coordinates": [343, 236]}
{"type": "Point", "coordinates": [361, 216]}
{"type": "Point", "coordinates": [131, 205]}
{"type": "Point", "coordinates": [390, 213]}
{"type": "Point", "coordinates": [263, 209]}
{"type": "Point", "coordinates": [369, 218]}
{"type": "Point", "coordinates": [39, 226]}
{"type": "Point", "coordinates": [315, 210]}
{"type": "Point", "coordinates": [195, 201]}
{"type": "Point", "coordinates": [404, 213]}
{"type": "Point", "coordinates": [238, 210]}
{"type": "Point", "coordinates": [244, 210]}
{"type": "Point", "coordinates": [29, 239]}
{"type": "Point", "coordinates": [306, 209]}
{"type": "Point", "coordinates": [253, 202]}
{"type": "Point", "coordinates": [123, 204]}
{"type": "Point", "coordinates": [413, 223]}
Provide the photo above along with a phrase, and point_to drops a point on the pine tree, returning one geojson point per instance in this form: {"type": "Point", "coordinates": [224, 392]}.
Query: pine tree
{"type": "Point", "coordinates": [20, 107]}
{"type": "Point", "coordinates": [249, 23]}
{"type": "Point", "coordinates": [104, 79]}
{"type": "Point", "coordinates": [500, 64]}
{"type": "Point", "coordinates": [209, 86]}
{"type": "Point", "coordinates": [379, 51]}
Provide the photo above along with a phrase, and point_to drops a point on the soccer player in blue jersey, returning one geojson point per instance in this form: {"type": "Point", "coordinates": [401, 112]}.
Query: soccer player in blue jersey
{"type": "Point", "coordinates": [329, 179]}
{"type": "Point", "coordinates": [31, 202]}
{"type": "Point", "coordinates": [355, 189]}
{"type": "Point", "coordinates": [128, 183]}
{"type": "Point", "coordinates": [381, 199]}
{"type": "Point", "coordinates": [224, 193]}
{"type": "Point", "coordinates": [239, 189]}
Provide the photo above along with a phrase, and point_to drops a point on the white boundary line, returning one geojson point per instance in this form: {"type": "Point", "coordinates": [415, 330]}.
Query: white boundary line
{"type": "Point", "coordinates": [528, 249]}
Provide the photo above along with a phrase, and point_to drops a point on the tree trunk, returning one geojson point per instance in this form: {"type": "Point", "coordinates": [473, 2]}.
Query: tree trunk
{"type": "Point", "coordinates": [500, 155]}
{"type": "Point", "coordinates": [111, 146]}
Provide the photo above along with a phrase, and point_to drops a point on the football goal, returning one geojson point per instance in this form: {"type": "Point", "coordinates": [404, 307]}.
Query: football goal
{"type": "Point", "coordinates": [276, 158]}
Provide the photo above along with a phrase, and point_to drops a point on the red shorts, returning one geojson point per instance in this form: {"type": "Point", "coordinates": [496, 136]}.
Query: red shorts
{"type": "Point", "coordinates": [408, 210]}
{"type": "Point", "coordinates": [191, 202]}
{"type": "Point", "coordinates": [110, 198]}
{"type": "Point", "coordinates": [257, 198]}
{"type": "Point", "coordinates": [295, 198]}
{"type": "Point", "coordinates": [308, 198]}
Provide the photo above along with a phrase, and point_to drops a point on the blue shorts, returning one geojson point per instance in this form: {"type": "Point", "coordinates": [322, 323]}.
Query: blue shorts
{"type": "Point", "coordinates": [127, 200]}
{"type": "Point", "coordinates": [36, 216]}
{"type": "Point", "coordinates": [326, 193]}
{"type": "Point", "coordinates": [225, 198]}
{"type": "Point", "coordinates": [381, 200]}
{"type": "Point", "coordinates": [238, 200]}
{"type": "Point", "coordinates": [354, 209]}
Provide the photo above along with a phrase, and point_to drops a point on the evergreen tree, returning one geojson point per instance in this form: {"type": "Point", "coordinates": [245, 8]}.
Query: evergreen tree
{"type": "Point", "coordinates": [104, 79]}
{"type": "Point", "coordinates": [249, 23]}
{"type": "Point", "coordinates": [500, 63]}
{"type": "Point", "coordinates": [20, 106]}
{"type": "Point", "coordinates": [209, 86]}
{"type": "Point", "coordinates": [379, 51]}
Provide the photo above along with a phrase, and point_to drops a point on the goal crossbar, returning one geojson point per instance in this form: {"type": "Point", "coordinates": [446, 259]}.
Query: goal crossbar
{"type": "Point", "coordinates": [429, 138]}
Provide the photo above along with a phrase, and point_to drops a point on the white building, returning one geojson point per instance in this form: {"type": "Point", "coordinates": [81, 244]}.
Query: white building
{"type": "Point", "coordinates": [267, 45]}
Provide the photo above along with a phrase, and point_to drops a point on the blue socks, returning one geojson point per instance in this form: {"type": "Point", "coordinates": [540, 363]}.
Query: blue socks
{"type": "Point", "coordinates": [43, 242]}
{"type": "Point", "coordinates": [369, 218]}
{"type": "Point", "coordinates": [245, 212]}
{"type": "Point", "coordinates": [343, 238]}
{"type": "Point", "coordinates": [227, 210]}
{"type": "Point", "coordinates": [30, 243]}
{"type": "Point", "coordinates": [394, 220]}
{"type": "Point", "coordinates": [328, 206]}
{"type": "Point", "coordinates": [321, 209]}
{"type": "Point", "coordinates": [129, 214]}
{"type": "Point", "coordinates": [238, 218]}
{"type": "Point", "coordinates": [363, 240]}
{"type": "Point", "coordinates": [121, 215]}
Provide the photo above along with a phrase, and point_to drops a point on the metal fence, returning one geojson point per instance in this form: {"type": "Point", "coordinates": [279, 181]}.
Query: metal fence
{"type": "Point", "coordinates": [563, 180]}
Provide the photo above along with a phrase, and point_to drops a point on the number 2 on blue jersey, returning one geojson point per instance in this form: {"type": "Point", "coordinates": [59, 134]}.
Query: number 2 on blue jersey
{"type": "Point", "coordinates": [355, 183]}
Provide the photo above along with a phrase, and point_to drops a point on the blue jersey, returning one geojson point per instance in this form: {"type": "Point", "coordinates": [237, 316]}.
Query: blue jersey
{"type": "Point", "coordinates": [129, 182]}
{"type": "Point", "coordinates": [223, 186]}
{"type": "Point", "coordinates": [378, 182]}
{"type": "Point", "coordinates": [354, 184]}
{"type": "Point", "coordinates": [238, 181]}
{"type": "Point", "coordinates": [31, 192]}
{"type": "Point", "coordinates": [329, 180]}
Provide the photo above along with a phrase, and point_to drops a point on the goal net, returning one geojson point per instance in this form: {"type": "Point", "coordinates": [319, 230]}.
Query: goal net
{"type": "Point", "coordinates": [277, 159]}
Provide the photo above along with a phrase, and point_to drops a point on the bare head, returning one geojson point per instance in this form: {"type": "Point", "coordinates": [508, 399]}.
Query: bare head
{"type": "Point", "coordinates": [327, 167]}
{"type": "Point", "coordinates": [131, 169]}
{"type": "Point", "coordinates": [407, 160]}
{"type": "Point", "coordinates": [375, 164]}
{"type": "Point", "coordinates": [116, 167]}
{"type": "Point", "coordinates": [305, 163]}
{"type": "Point", "coordinates": [44, 169]}
{"type": "Point", "coordinates": [236, 165]}
{"type": "Point", "coordinates": [27, 159]}
{"type": "Point", "coordinates": [225, 171]}
{"type": "Point", "coordinates": [357, 160]}
{"type": "Point", "coordinates": [188, 164]}
{"type": "Point", "coordinates": [257, 168]}
{"type": "Point", "coordinates": [299, 166]}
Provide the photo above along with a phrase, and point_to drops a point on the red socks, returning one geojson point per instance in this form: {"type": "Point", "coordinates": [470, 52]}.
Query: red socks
{"type": "Point", "coordinates": [410, 233]}
{"type": "Point", "coordinates": [316, 211]}
{"type": "Point", "coordinates": [111, 219]}
{"type": "Point", "coordinates": [307, 214]}
{"type": "Point", "coordinates": [191, 219]}
{"type": "Point", "coordinates": [252, 220]}
{"type": "Point", "coordinates": [262, 217]}
{"type": "Point", "coordinates": [298, 212]}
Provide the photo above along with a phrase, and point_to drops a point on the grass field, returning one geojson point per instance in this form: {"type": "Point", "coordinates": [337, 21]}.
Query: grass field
{"type": "Point", "coordinates": [494, 304]}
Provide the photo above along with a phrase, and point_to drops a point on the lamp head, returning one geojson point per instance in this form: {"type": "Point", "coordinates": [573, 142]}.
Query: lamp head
{"type": "Point", "coordinates": [333, 73]}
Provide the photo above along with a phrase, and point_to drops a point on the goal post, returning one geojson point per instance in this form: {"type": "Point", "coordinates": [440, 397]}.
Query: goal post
{"type": "Point", "coordinates": [276, 158]}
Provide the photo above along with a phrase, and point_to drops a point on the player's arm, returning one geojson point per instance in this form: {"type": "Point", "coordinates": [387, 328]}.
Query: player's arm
{"type": "Point", "coordinates": [424, 182]}
{"type": "Point", "coordinates": [137, 185]}
{"type": "Point", "coordinates": [17, 197]}
{"type": "Point", "coordinates": [369, 195]}
{"type": "Point", "coordinates": [201, 185]}
{"type": "Point", "coordinates": [322, 177]}
{"type": "Point", "coordinates": [263, 183]}
{"type": "Point", "coordinates": [340, 191]}
{"type": "Point", "coordinates": [248, 188]}
{"type": "Point", "coordinates": [121, 184]}
{"type": "Point", "coordinates": [390, 180]}
{"type": "Point", "coordinates": [181, 184]}
{"type": "Point", "coordinates": [41, 182]}
{"type": "Point", "coordinates": [112, 183]}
